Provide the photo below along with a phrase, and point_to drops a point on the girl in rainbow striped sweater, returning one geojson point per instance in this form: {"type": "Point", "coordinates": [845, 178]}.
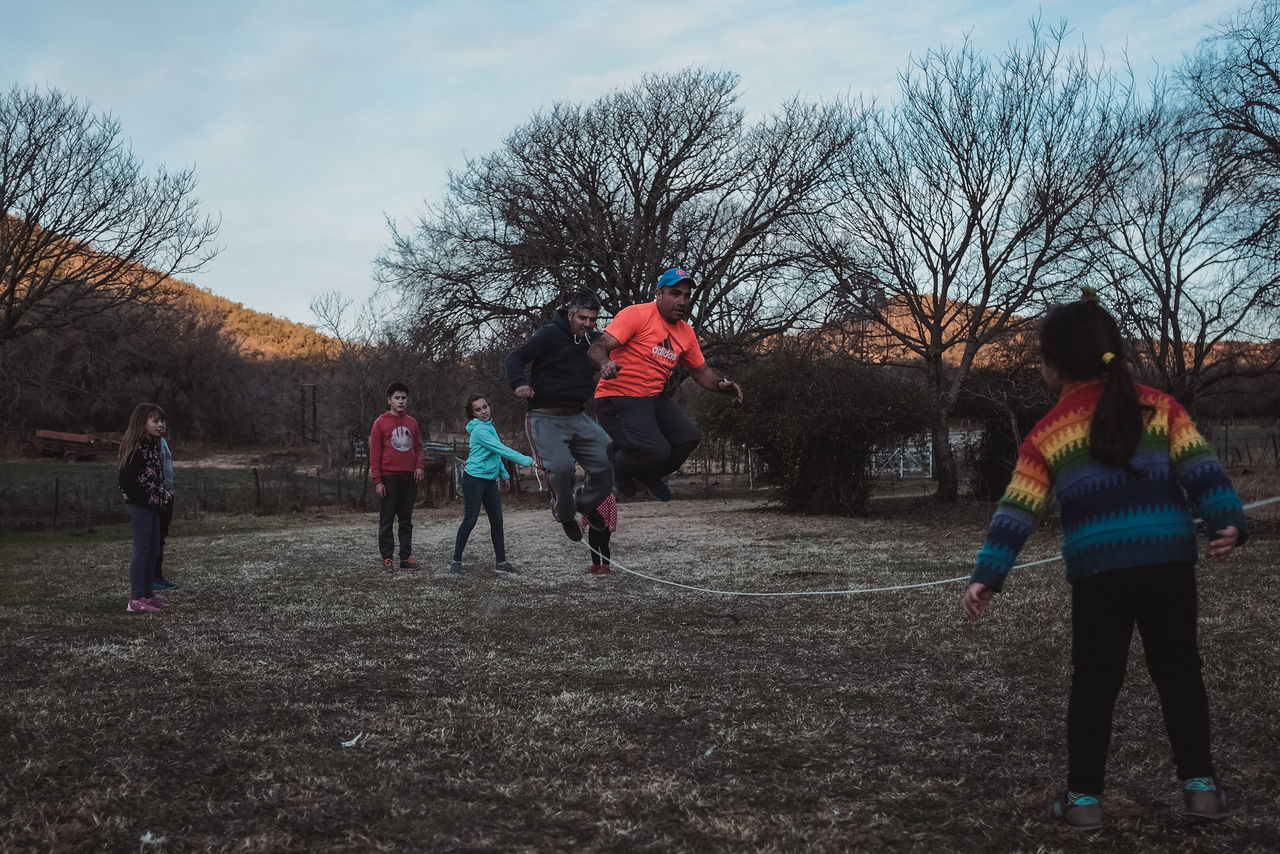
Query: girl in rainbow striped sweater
{"type": "Point", "coordinates": [1128, 467]}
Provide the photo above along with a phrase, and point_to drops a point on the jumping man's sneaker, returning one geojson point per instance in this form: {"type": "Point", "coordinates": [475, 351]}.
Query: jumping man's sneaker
{"type": "Point", "coordinates": [594, 519]}
{"type": "Point", "coordinates": [1073, 809]}
{"type": "Point", "coordinates": [409, 563]}
{"type": "Point", "coordinates": [572, 531]}
{"type": "Point", "coordinates": [1204, 797]}
{"type": "Point", "coordinates": [507, 566]}
{"type": "Point", "coordinates": [388, 565]}
{"type": "Point", "coordinates": [659, 490]}
{"type": "Point", "coordinates": [141, 605]}
{"type": "Point", "coordinates": [157, 602]}
{"type": "Point", "coordinates": [599, 569]}
{"type": "Point", "coordinates": [455, 567]}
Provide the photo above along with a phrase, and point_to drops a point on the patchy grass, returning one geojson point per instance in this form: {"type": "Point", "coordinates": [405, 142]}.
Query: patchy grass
{"type": "Point", "coordinates": [561, 711]}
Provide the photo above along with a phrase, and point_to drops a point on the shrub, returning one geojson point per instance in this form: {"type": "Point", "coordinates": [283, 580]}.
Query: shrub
{"type": "Point", "coordinates": [815, 419]}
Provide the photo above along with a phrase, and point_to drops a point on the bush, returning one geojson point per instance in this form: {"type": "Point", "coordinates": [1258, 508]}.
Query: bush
{"type": "Point", "coordinates": [815, 419]}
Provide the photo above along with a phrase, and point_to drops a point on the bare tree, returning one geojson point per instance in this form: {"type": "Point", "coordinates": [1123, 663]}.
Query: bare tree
{"type": "Point", "coordinates": [958, 204]}
{"type": "Point", "coordinates": [1184, 244]}
{"type": "Point", "coordinates": [608, 195]}
{"type": "Point", "coordinates": [1235, 78]}
{"type": "Point", "coordinates": [82, 228]}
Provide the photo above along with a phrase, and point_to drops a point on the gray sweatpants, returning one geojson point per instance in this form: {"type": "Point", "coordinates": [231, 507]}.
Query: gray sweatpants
{"type": "Point", "coordinates": [558, 442]}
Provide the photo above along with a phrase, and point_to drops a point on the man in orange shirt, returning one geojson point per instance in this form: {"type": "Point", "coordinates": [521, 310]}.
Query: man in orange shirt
{"type": "Point", "coordinates": [636, 354]}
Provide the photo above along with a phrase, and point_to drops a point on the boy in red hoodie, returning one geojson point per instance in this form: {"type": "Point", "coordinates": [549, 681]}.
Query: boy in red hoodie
{"type": "Point", "coordinates": [395, 464]}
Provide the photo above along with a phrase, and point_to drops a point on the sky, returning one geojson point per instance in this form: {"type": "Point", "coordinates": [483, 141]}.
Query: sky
{"type": "Point", "coordinates": [309, 123]}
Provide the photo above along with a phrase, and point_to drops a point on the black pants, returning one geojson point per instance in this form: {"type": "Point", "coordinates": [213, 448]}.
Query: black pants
{"type": "Point", "coordinates": [402, 492]}
{"type": "Point", "coordinates": [599, 542]}
{"type": "Point", "coordinates": [166, 516]}
{"type": "Point", "coordinates": [1161, 601]}
{"type": "Point", "coordinates": [478, 492]}
{"type": "Point", "coordinates": [652, 437]}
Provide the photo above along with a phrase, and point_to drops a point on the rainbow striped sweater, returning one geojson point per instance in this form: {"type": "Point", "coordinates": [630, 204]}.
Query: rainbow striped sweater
{"type": "Point", "coordinates": [1111, 518]}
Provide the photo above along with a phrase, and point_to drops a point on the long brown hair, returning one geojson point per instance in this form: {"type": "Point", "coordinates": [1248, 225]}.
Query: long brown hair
{"type": "Point", "coordinates": [137, 430]}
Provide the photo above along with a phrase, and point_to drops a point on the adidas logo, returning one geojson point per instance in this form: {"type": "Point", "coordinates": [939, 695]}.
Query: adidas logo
{"type": "Point", "coordinates": [665, 353]}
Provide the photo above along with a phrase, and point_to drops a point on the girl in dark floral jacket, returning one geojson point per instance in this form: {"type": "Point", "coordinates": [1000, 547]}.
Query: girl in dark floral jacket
{"type": "Point", "coordinates": [142, 484]}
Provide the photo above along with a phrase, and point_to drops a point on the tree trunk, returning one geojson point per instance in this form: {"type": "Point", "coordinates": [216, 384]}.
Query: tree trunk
{"type": "Point", "coordinates": [944, 461]}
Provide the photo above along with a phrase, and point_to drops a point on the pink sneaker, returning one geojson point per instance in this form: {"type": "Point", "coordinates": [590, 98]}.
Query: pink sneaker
{"type": "Point", "coordinates": [141, 605]}
{"type": "Point", "coordinates": [158, 602]}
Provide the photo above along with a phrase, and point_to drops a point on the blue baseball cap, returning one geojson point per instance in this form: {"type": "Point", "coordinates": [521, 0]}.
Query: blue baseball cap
{"type": "Point", "coordinates": [673, 276]}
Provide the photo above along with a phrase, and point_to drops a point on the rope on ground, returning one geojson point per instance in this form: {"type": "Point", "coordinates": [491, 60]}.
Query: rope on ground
{"type": "Point", "coordinates": [851, 591]}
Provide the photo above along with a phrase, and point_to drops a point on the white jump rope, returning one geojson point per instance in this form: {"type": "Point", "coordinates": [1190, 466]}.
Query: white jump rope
{"type": "Point", "coordinates": [851, 591]}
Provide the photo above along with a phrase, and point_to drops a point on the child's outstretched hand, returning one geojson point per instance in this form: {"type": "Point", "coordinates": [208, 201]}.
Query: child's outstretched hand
{"type": "Point", "coordinates": [976, 599]}
{"type": "Point", "coordinates": [1225, 542]}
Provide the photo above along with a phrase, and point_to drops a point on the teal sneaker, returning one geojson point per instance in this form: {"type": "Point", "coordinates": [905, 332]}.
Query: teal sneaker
{"type": "Point", "coordinates": [1083, 812]}
{"type": "Point", "coordinates": [1204, 797]}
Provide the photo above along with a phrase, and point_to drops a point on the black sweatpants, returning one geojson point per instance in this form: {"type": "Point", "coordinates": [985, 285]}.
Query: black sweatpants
{"type": "Point", "coordinates": [1161, 601]}
{"type": "Point", "coordinates": [166, 517]}
{"type": "Point", "coordinates": [402, 492]}
{"type": "Point", "coordinates": [652, 436]}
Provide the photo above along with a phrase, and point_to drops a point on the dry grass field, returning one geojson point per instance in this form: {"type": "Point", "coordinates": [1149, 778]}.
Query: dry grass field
{"type": "Point", "coordinates": [298, 699]}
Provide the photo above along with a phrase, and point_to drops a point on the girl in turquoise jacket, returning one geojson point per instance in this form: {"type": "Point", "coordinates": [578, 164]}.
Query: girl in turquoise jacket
{"type": "Point", "coordinates": [480, 482]}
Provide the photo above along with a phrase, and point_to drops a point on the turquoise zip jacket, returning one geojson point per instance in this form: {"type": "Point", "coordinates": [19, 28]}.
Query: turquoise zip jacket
{"type": "Point", "coordinates": [487, 452]}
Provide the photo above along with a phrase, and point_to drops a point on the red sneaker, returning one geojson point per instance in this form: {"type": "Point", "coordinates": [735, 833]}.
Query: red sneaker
{"type": "Point", "coordinates": [599, 569]}
{"type": "Point", "coordinates": [159, 603]}
{"type": "Point", "coordinates": [388, 565]}
{"type": "Point", "coordinates": [409, 563]}
{"type": "Point", "coordinates": [141, 605]}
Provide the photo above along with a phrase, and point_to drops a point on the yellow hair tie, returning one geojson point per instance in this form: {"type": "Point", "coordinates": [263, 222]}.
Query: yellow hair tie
{"type": "Point", "coordinates": [1107, 357]}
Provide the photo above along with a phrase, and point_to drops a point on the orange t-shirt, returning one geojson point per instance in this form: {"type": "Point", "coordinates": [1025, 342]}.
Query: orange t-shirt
{"type": "Point", "coordinates": [649, 348]}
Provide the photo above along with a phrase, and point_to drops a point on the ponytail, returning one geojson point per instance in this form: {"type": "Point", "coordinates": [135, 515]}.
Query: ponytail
{"type": "Point", "coordinates": [1116, 428]}
{"type": "Point", "coordinates": [1083, 342]}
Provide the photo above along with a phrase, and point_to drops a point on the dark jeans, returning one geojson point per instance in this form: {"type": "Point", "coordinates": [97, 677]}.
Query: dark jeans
{"type": "Point", "coordinates": [652, 437]}
{"type": "Point", "coordinates": [145, 523]}
{"type": "Point", "coordinates": [1161, 601]}
{"type": "Point", "coordinates": [166, 516]}
{"type": "Point", "coordinates": [402, 492]}
{"type": "Point", "coordinates": [475, 493]}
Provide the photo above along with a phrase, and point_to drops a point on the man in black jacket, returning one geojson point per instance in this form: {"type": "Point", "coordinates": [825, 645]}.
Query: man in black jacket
{"type": "Point", "coordinates": [561, 435]}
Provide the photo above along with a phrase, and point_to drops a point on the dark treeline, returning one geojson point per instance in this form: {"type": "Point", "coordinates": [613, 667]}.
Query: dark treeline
{"type": "Point", "coordinates": [227, 374]}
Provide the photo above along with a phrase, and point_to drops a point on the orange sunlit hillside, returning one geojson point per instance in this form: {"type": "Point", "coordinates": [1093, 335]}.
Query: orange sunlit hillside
{"type": "Point", "coordinates": [258, 335]}
{"type": "Point", "coordinates": [873, 343]}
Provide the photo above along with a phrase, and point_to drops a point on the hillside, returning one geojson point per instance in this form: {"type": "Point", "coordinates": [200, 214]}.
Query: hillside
{"type": "Point", "coordinates": [258, 335]}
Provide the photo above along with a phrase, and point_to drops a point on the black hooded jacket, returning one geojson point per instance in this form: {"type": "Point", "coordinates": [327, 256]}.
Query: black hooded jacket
{"type": "Point", "coordinates": [561, 373]}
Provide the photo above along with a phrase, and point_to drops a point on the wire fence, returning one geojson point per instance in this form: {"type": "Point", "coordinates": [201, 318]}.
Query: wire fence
{"type": "Point", "coordinates": [53, 494]}
{"type": "Point", "coordinates": [76, 496]}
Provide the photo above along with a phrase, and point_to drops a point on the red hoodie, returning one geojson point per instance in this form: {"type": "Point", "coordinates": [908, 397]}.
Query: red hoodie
{"type": "Point", "coordinates": [394, 446]}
